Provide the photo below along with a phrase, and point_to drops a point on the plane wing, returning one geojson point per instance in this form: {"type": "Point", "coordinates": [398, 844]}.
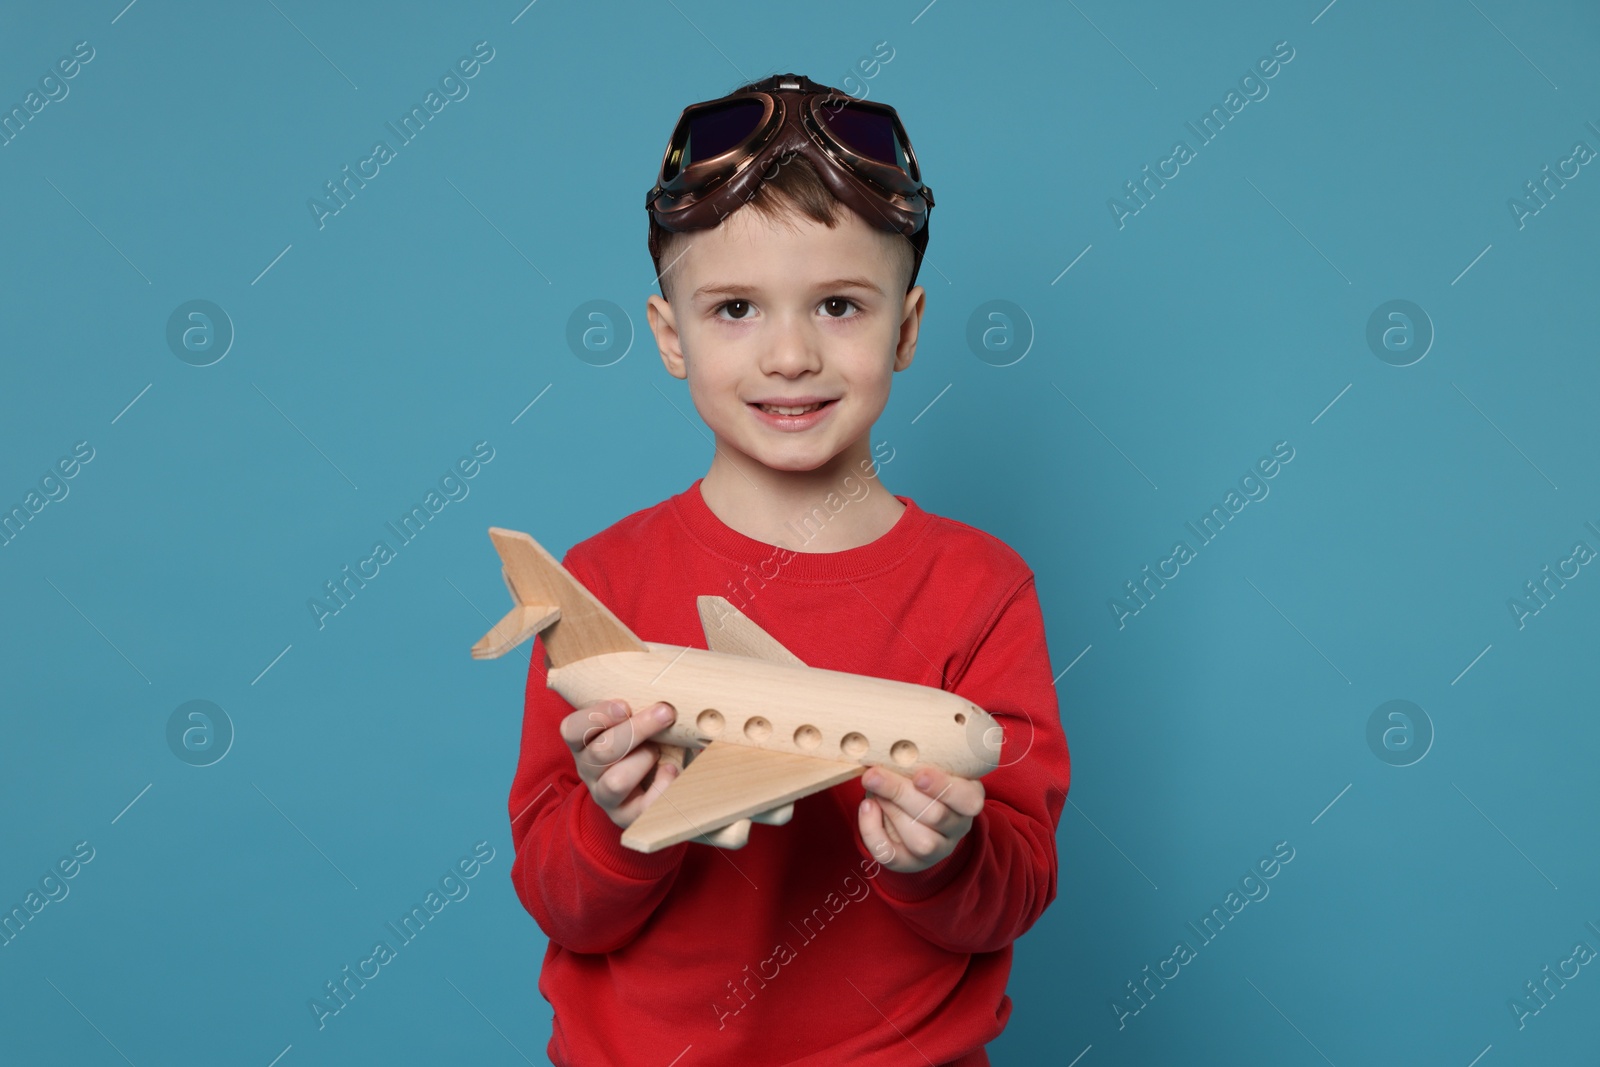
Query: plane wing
{"type": "Point", "coordinates": [727, 782]}
{"type": "Point", "coordinates": [729, 630]}
{"type": "Point", "coordinates": [519, 624]}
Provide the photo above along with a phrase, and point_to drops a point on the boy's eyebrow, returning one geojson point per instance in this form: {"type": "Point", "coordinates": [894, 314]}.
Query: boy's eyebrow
{"type": "Point", "coordinates": [737, 290]}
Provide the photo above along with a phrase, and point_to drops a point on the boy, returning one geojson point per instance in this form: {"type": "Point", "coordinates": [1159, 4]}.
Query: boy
{"type": "Point", "coordinates": [875, 927]}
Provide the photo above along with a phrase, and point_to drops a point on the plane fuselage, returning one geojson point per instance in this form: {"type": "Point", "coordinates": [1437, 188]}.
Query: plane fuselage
{"type": "Point", "coordinates": [834, 715]}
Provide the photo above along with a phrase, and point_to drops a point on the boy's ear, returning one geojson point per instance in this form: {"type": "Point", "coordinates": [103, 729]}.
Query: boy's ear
{"type": "Point", "coordinates": [663, 323]}
{"type": "Point", "coordinates": [910, 323]}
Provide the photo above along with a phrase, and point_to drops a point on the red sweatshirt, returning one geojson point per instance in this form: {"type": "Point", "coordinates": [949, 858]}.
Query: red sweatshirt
{"type": "Point", "coordinates": [799, 948]}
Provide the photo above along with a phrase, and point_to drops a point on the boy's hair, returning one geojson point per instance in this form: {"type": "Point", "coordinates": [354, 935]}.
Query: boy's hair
{"type": "Point", "coordinates": [795, 189]}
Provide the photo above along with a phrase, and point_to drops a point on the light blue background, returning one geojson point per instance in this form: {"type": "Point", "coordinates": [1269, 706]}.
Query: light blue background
{"type": "Point", "coordinates": [1229, 314]}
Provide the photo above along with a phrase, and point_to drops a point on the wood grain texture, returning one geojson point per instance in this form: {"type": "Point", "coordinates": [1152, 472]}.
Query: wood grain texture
{"type": "Point", "coordinates": [729, 630]}
{"type": "Point", "coordinates": [586, 627]}
{"type": "Point", "coordinates": [520, 624]}
{"type": "Point", "coordinates": [735, 835]}
{"type": "Point", "coordinates": [827, 715]}
{"type": "Point", "coordinates": [729, 782]}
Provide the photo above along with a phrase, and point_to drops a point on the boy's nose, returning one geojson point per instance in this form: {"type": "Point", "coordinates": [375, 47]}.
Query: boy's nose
{"type": "Point", "coordinates": [793, 349]}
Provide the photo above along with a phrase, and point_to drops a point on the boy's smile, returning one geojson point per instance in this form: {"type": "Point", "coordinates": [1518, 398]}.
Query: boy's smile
{"type": "Point", "coordinates": [788, 332]}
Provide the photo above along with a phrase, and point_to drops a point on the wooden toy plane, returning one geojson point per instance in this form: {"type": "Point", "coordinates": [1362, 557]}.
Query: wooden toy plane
{"type": "Point", "coordinates": [768, 729]}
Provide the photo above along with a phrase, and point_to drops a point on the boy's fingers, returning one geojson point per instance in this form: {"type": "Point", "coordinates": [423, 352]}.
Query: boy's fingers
{"type": "Point", "coordinates": [586, 723]}
{"type": "Point", "coordinates": [625, 813]}
{"type": "Point", "coordinates": [963, 796]}
{"type": "Point", "coordinates": [607, 736]}
{"type": "Point", "coordinates": [942, 802]}
{"type": "Point", "coordinates": [623, 776]}
{"type": "Point", "coordinates": [916, 838]}
{"type": "Point", "coordinates": [666, 774]}
{"type": "Point", "coordinates": [873, 834]}
{"type": "Point", "coordinates": [610, 744]}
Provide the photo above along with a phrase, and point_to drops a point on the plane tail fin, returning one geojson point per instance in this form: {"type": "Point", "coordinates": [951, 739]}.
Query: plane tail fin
{"type": "Point", "coordinates": [548, 598]}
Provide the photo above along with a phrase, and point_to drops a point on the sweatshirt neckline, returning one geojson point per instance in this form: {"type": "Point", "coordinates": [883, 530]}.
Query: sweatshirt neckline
{"type": "Point", "coordinates": [859, 562]}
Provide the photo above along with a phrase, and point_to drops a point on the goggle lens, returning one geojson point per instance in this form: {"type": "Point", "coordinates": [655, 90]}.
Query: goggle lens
{"type": "Point", "coordinates": [867, 132]}
{"type": "Point", "coordinates": [711, 132]}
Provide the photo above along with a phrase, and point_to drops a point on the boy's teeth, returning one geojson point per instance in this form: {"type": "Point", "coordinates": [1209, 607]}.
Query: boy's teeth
{"type": "Point", "coordinates": [773, 409]}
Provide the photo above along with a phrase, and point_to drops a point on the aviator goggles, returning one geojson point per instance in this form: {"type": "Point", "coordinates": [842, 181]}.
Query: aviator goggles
{"type": "Point", "coordinates": [721, 150]}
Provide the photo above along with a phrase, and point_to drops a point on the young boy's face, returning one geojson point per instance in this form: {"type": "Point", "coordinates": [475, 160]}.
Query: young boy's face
{"type": "Point", "coordinates": [789, 309]}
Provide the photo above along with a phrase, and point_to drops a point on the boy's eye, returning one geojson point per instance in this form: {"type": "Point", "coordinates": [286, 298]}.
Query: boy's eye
{"type": "Point", "coordinates": [834, 307]}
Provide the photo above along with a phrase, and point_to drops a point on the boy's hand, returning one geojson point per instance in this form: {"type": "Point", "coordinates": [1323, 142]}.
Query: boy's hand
{"type": "Point", "coordinates": [916, 821]}
{"type": "Point", "coordinates": [614, 754]}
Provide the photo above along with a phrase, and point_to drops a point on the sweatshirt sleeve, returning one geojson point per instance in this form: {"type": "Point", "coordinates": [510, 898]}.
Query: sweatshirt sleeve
{"type": "Point", "coordinates": [1002, 874]}
{"type": "Point", "coordinates": [587, 891]}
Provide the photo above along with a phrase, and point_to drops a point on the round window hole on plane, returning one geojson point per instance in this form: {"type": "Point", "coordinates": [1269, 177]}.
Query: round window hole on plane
{"type": "Point", "coordinates": [853, 744]}
{"type": "Point", "coordinates": [808, 737]}
{"type": "Point", "coordinates": [710, 722]}
{"type": "Point", "coordinates": [756, 728]}
{"type": "Point", "coordinates": [903, 753]}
